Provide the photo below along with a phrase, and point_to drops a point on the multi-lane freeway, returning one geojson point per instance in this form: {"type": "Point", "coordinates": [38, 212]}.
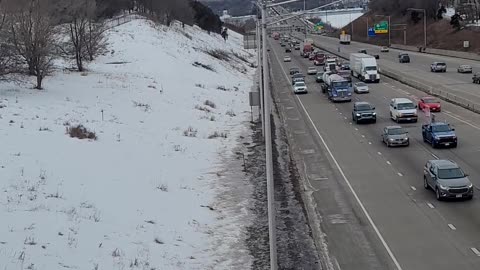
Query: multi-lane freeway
{"type": "Point", "coordinates": [371, 201]}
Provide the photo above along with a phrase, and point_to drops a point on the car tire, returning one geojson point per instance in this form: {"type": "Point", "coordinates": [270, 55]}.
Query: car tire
{"type": "Point", "coordinates": [437, 195]}
{"type": "Point", "coordinates": [469, 198]}
{"type": "Point", "coordinates": [434, 145]}
{"type": "Point", "coordinates": [454, 145]}
{"type": "Point", "coordinates": [408, 144]}
{"type": "Point", "coordinates": [375, 121]}
{"type": "Point", "coordinates": [425, 184]}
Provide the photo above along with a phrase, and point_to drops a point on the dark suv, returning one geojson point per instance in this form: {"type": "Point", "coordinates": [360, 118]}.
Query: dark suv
{"type": "Point", "coordinates": [447, 179]}
{"type": "Point", "coordinates": [404, 58]}
{"type": "Point", "coordinates": [363, 111]}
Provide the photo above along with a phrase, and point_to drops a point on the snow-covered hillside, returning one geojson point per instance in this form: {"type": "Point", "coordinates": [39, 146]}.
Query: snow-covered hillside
{"type": "Point", "coordinates": [165, 110]}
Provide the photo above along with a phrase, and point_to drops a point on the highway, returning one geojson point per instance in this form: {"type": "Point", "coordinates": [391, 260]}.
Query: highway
{"type": "Point", "coordinates": [459, 84]}
{"type": "Point", "coordinates": [373, 207]}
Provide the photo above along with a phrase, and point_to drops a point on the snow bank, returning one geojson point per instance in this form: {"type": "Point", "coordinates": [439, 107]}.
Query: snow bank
{"type": "Point", "coordinates": [141, 195]}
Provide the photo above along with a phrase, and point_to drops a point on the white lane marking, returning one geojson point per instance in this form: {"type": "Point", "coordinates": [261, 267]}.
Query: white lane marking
{"type": "Point", "coordinates": [407, 93]}
{"type": "Point", "coordinates": [413, 188]}
{"type": "Point", "coordinates": [452, 227]}
{"type": "Point", "coordinates": [399, 174]}
{"type": "Point", "coordinates": [384, 97]}
{"type": "Point", "coordinates": [435, 156]}
{"type": "Point", "coordinates": [430, 205]}
{"type": "Point", "coordinates": [379, 153]}
{"type": "Point", "coordinates": [341, 113]}
{"type": "Point", "coordinates": [345, 118]}
{"type": "Point", "coordinates": [356, 129]}
{"type": "Point", "coordinates": [350, 123]}
{"type": "Point", "coordinates": [336, 109]}
{"type": "Point", "coordinates": [461, 120]}
{"type": "Point", "coordinates": [475, 251]}
{"type": "Point", "coordinates": [364, 210]}
{"type": "Point", "coordinates": [369, 142]}
{"type": "Point", "coordinates": [389, 163]}
{"type": "Point", "coordinates": [363, 136]}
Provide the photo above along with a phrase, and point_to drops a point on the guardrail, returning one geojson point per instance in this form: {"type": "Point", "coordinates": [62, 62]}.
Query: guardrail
{"type": "Point", "coordinates": [424, 86]}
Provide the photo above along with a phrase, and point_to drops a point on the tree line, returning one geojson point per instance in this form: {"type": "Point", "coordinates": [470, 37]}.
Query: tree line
{"type": "Point", "coordinates": [33, 33]}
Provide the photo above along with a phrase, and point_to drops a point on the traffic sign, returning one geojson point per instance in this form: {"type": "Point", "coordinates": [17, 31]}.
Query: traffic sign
{"type": "Point", "coordinates": [381, 28]}
{"type": "Point", "coordinates": [371, 32]}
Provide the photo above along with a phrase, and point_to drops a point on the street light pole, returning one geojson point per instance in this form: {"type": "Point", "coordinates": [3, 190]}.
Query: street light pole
{"type": "Point", "coordinates": [268, 148]}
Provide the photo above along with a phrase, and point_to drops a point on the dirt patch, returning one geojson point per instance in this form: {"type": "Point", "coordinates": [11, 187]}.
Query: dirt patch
{"type": "Point", "coordinates": [295, 245]}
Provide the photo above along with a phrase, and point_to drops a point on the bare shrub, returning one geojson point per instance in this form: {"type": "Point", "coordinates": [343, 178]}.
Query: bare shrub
{"type": "Point", "coordinates": [241, 57]}
{"type": "Point", "coordinates": [207, 67]}
{"type": "Point", "coordinates": [116, 253]}
{"type": "Point", "coordinates": [217, 134]}
{"type": "Point", "coordinates": [44, 129]}
{"type": "Point", "coordinates": [159, 241]}
{"type": "Point", "coordinates": [212, 118]}
{"type": "Point", "coordinates": [30, 241]}
{"type": "Point", "coordinates": [163, 187]}
{"type": "Point", "coordinates": [145, 106]}
{"type": "Point", "coordinates": [230, 113]}
{"type": "Point", "coordinates": [223, 88]}
{"type": "Point", "coordinates": [190, 132]}
{"type": "Point", "coordinates": [210, 103]}
{"type": "Point", "coordinates": [202, 108]}
{"type": "Point", "coordinates": [219, 54]}
{"type": "Point", "coordinates": [81, 132]}
{"type": "Point", "coordinates": [199, 85]}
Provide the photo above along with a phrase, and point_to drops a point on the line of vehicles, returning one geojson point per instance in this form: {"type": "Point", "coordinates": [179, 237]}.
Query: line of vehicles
{"type": "Point", "coordinates": [444, 177]}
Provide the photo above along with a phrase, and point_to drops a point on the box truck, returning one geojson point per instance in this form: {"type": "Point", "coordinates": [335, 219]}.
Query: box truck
{"type": "Point", "coordinates": [364, 67]}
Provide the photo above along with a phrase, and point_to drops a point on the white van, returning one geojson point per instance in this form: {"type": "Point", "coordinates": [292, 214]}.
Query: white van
{"type": "Point", "coordinates": [403, 109]}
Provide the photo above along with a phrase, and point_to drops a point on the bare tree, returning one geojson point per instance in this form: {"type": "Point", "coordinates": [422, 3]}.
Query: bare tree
{"type": "Point", "coordinates": [33, 33]}
{"type": "Point", "coordinates": [95, 40]}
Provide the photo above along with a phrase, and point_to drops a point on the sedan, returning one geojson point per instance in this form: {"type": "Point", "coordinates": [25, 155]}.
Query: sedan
{"type": "Point", "coordinates": [287, 59]}
{"type": "Point", "coordinates": [297, 47]}
{"type": "Point", "coordinates": [395, 136]}
{"type": "Point", "coordinates": [464, 69]}
{"type": "Point", "coordinates": [429, 102]}
{"type": "Point", "coordinates": [294, 70]}
{"type": "Point", "coordinates": [287, 50]}
{"type": "Point", "coordinates": [384, 49]}
{"type": "Point", "coordinates": [312, 71]}
{"type": "Point", "coordinates": [300, 87]}
{"type": "Point", "coordinates": [360, 87]}
{"type": "Point", "coordinates": [319, 77]}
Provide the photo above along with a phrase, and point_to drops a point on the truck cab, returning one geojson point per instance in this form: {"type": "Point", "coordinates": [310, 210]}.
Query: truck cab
{"type": "Point", "coordinates": [337, 88]}
{"type": "Point", "coordinates": [439, 134]}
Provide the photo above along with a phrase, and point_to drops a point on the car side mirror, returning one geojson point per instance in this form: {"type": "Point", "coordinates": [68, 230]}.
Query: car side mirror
{"type": "Point", "coordinates": [453, 129]}
{"type": "Point", "coordinates": [373, 108]}
{"type": "Point", "coordinates": [466, 174]}
{"type": "Point", "coordinates": [394, 107]}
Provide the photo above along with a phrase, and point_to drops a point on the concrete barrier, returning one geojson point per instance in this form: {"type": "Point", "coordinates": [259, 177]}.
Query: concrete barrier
{"type": "Point", "coordinates": [457, 54]}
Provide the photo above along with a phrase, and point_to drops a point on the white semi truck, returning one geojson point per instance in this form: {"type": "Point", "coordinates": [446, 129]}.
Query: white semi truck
{"type": "Point", "coordinates": [364, 67]}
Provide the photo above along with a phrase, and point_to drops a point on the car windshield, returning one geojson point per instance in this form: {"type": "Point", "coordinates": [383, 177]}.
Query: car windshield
{"type": "Point", "coordinates": [360, 84]}
{"type": "Point", "coordinates": [396, 131]}
{"type": "Point", "coordinates": [441, 128]}
{"type": "Point", "coordinates": [312, 68]}
{"type": "Point", "coordinates": [341, 84]}
{"type": "Point", "coordinates": [405, 106]}
{"type": "Point", "coordinates": [450, 173]}
{"type": "Point", "coordinates": [364, 107]}
{"type": "Point", "coordinates": [441, 64]}
{"type": "Point", "coordinates": [430, 100]}
{"type": "Point", "coordinates": [299, 84]}
{"type": "Point", "coordinates": [371, 68]}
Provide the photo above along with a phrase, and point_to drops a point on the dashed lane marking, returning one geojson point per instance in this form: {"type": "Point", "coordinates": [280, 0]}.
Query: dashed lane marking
{"type": "Point", "coordinates": [435, 156]}
{"type": "Point", "coordinates": [452, 227]}
{"type": "Point", "coordinates": [400, 174]}
{"type": "Point", "coordinates": [369, 142]}
{"type": "Point", "coordinates": [474, 250]}
{"type": "Point", "coordinates": [430, 205]}
{"type": "Point", "coordinates": [389, 163]}
{"type": "Point", "coordinates": [413, 188]}
{"type": "Point", "coordinates": [379, 153]}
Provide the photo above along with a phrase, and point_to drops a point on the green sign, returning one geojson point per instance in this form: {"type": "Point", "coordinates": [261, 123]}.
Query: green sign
{"type": "Point", "coordinates": [318, 26]}
{"type": "Point", "coordinates": [381, 27]}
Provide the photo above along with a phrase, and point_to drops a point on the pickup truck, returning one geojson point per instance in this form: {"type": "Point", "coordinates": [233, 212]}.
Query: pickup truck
{"type": "Point", "coordinates": [439, 134]}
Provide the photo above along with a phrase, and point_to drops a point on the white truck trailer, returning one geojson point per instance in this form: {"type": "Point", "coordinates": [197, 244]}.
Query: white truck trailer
{"type": "Point", "coordinates": [364, 67]}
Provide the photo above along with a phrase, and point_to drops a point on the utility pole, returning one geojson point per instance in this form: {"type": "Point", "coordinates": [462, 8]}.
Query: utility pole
{"type": "Point", "coordinates": [268, 146]}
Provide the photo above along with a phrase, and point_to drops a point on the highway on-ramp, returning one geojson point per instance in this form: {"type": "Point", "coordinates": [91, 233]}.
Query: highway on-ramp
{"type": "Point", "coordinates": [370, 198]}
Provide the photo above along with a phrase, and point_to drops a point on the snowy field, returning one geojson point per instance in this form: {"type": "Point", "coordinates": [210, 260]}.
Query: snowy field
{"type": "Point", "coordinates": [143, 194]}
{"type": "Point", "coordinates": [339, 20]}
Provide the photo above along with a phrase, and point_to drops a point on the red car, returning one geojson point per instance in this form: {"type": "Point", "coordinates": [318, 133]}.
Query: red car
{"type": "Point", "coordinates": [429, 102]}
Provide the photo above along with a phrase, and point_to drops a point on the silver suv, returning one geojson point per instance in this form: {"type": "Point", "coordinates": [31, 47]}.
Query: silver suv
{"type": "Point", "coordinates": [447, 179]}
{"type": "Point", "coordinates": [363, 111]}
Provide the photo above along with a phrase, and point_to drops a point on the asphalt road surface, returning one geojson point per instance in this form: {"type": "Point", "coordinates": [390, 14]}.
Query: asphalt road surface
{"type": "Point", "coordinates": [459, 84]}
{"type": "Point", "coordinates": [373, 207]}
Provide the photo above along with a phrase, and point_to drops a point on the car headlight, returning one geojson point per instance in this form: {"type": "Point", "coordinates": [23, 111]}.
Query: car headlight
{"type": "Point", "coordinates": [443, 187]}
{"type": "Point", "coordinates": [390, 139]}
{"type": "Point", "coordinates": [470, 185]}
{"type": "Point", "coordinates": [357, 114]}
{"type": "Point", "coordinates": [374, 113]}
